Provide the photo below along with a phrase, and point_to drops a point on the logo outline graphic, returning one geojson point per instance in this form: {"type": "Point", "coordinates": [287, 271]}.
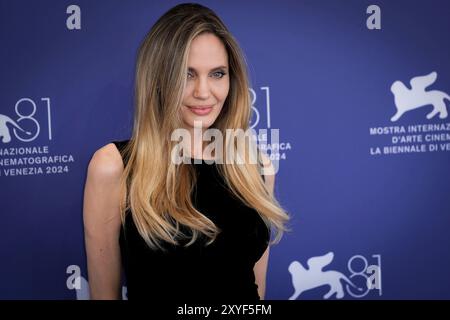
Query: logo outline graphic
{"type": "Point", "coordinates": [5, 133]}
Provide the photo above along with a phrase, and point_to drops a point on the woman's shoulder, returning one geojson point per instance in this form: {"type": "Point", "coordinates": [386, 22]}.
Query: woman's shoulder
{"type": "Point", "coordinates": [106, 162]}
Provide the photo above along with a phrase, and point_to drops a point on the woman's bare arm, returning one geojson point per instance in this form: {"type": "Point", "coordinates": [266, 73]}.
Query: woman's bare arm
{"type": "Point", "coordinates": [260, 270]}
{"type": "Point", "coordinates": [101, 217]}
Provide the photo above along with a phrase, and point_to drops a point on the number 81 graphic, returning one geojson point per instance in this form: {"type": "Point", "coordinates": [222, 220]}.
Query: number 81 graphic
{"type": "Point", "coordinates": [29, 117]}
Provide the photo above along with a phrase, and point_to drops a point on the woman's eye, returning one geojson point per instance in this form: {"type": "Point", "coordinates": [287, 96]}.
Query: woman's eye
{"type": "Point", "coordinates": [190, 75]}
{"type": "Point", "coordinates": [218, 74]}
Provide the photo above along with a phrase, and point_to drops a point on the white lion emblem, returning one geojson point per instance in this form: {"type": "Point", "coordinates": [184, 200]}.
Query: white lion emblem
{"type": "Point", "coordinates": [416, 97]}
{"type": "Point", "coordinates": [313, 277]}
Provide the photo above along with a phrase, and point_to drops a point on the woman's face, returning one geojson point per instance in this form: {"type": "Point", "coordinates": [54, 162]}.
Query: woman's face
{"type": "Point", "coordinates": [208, 81]}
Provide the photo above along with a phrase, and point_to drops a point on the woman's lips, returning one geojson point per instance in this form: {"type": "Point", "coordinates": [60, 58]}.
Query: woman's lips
{"type": "Point", "coordinates": [200, 110]}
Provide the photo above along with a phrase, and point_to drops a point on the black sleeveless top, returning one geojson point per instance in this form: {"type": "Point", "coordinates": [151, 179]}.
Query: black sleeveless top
{"type": "Point", "coordinates": [220, 271]}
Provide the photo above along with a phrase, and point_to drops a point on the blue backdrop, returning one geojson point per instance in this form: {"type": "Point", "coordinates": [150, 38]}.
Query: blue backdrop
{"type": "Point", "coordinates": [369, 196]}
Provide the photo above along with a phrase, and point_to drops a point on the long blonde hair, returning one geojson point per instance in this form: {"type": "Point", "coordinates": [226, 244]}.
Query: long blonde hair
{"type": "Point", "coordinates": [154, 189]}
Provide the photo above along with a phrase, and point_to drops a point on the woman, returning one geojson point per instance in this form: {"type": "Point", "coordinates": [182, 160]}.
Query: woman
{"type": "Point", "coordinates": [181, 231]}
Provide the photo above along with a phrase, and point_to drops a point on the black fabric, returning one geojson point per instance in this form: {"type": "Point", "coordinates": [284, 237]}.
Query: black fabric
{"type": "Point", "coordinates": [218, 272]}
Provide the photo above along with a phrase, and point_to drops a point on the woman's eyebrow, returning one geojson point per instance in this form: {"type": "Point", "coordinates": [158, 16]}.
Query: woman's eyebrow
{"type": "Point", "coordinates": [213, 69]}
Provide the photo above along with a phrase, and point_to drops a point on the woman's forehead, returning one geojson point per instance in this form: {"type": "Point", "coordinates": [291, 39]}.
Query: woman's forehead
{"type": "Point", "coordinates": [207, 52]}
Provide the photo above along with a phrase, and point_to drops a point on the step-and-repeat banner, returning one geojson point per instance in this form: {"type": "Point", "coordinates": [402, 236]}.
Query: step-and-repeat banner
{"type": "Point", "coordinates": [359, 91]}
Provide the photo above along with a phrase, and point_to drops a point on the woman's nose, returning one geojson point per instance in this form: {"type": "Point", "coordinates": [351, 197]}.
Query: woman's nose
{"type": "Point", "coordinates": [201, 90]}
